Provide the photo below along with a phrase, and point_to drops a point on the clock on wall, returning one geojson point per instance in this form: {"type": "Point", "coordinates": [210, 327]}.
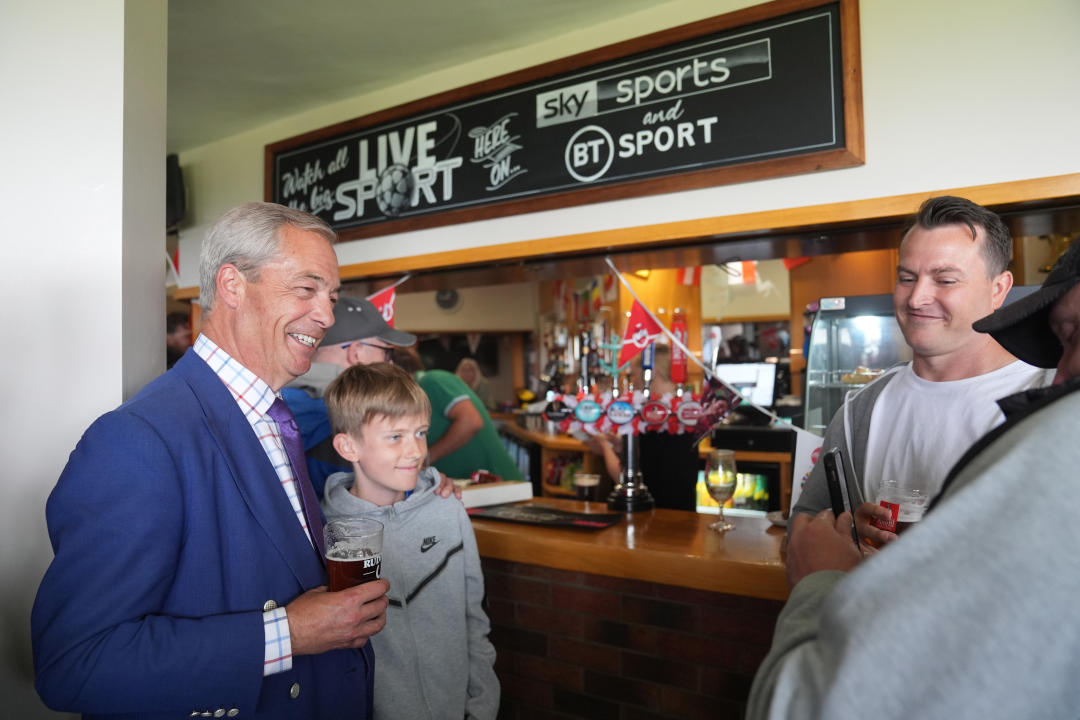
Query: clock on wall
{"type": "Point", "coordinates": [448, 300]}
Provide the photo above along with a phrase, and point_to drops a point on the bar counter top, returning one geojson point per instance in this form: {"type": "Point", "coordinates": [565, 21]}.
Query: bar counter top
{"type": "Point", "coordinates": [544, 439]}
{"type": "Point", "coordinates": [671, 547]}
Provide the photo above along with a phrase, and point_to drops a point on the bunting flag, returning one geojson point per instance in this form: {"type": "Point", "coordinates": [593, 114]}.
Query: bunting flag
{"type": "Point", "coordinates": [792, 263]}
{"type": "Point", "coordinates": [558, 290]}
{"type": "Point", "coordinates": [749, 272]}
{"type": "Point", "coordinates": [384, 303]}
{"type": "Point", "coordinates": [741, 273]}
{"type": "Point", "coordinates": [594, 296]}
{"type": "Point", "coordinates": [641, 330]}
{"type": "Point", "coordinates": [688, 276]}
{"type": "Point", "coordinates": [611, 289]}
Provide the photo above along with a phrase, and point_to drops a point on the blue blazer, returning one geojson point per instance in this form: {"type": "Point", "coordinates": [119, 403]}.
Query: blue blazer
{"type": "Point", "coordinates": [171, 533]}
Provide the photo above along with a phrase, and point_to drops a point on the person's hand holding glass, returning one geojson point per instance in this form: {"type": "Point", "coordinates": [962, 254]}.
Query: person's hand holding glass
{"type": "Point", "coordinates": [720, 482]}
{"type": "Point", "coordinates": [904, 506]}
{"type": "Point", "coordinates": [353, 551]}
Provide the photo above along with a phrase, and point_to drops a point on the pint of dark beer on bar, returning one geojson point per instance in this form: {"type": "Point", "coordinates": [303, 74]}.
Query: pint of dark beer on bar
{"type": "Point", "coordinates": [353, 552]}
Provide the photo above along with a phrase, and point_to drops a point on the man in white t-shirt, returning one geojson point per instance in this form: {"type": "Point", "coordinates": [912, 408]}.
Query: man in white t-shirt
{"type": "Point", "coordinates": [914, 422]}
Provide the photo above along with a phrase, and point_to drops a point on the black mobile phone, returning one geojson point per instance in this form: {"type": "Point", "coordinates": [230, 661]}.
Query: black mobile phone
{"type": "Point", "coordinates": [834, 477]}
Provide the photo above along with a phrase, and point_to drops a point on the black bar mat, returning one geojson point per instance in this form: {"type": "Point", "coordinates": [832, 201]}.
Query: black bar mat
{"type": "Point", "coordinates": [544, 515]}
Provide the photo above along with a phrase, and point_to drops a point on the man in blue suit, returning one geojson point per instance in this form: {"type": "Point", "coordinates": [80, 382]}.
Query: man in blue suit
{"type": "Point", "coordinates": [186, 580]}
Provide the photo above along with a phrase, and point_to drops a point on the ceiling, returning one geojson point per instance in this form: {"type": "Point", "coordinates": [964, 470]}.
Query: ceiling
{"type": "Point", "coordinates": [235, 65]}
{"type": "Point", "coordinates": [240, 64]}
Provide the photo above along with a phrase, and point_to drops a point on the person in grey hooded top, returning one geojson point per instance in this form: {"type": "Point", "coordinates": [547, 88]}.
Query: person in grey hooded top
{"type": "Point", "coordinates": [433, 660]}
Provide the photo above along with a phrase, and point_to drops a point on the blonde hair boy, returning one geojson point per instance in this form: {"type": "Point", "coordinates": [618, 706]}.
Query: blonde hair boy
{"type": "Point", "coordinates": [364, 391]}
{"type": "Point", "coordinates": [434, 656]}
{"type": "Point", "coordinates": [380, 418]}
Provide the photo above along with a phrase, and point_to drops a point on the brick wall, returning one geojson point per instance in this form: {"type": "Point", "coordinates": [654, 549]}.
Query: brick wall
{"type": "Point", "coordinates": [575, 645]}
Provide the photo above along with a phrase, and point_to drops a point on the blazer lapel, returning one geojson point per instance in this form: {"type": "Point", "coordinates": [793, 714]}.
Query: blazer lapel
{"type": "Point", "coordinates": [251, 471]}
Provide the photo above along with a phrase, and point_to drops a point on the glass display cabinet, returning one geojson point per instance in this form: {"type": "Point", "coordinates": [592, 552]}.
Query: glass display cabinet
{"type": "Point", "coordinates": [852, 340]}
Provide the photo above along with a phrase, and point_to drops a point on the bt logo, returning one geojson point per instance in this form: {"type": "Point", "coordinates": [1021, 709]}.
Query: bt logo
{"type": "Point", "coordinates": [589, 153]}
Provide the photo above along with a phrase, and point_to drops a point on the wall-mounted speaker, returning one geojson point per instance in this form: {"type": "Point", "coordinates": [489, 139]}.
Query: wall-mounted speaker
{"type": "Point", "coordinates": [175, 200]}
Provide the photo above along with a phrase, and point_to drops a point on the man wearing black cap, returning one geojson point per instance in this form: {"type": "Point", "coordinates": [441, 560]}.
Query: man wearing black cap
{"type": "Point", "coordinates": [968, 615]}
{"type": "Point", "coordinates": [359, 336]}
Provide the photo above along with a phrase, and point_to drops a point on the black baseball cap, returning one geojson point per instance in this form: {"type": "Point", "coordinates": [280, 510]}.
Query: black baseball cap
{"type": "Point", "coordinates": [1023, 327]}
{"type": "Point", "coordinates": [357, 318]}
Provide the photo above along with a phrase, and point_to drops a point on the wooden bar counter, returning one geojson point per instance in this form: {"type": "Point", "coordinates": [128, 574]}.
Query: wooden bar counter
{"type": "Point", "coordinates": [654, 617]}
{"type": "Point", "coordinates": [672, 547]}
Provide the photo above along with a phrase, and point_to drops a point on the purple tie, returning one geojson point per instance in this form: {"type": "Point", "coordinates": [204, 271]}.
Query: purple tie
{"type": "Point", "coordinates": [290, 436]}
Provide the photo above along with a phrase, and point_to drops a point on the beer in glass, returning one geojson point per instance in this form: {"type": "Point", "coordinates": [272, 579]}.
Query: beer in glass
{"type": "Point", "coordinates": [353, 552]}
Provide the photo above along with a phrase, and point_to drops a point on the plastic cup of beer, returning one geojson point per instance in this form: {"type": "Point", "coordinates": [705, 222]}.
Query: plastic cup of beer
{"type": "Point", "coordinates": [587, 486]}
{"type": "Point", "coordinates": [906, 504]}
{"type": "Point", "coordinates": [353, 552]}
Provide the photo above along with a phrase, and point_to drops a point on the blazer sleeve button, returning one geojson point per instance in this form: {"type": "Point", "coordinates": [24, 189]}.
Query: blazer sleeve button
{"type": "Point", "coordinates": [294, 691]}
{"type": "Point", "coordinates": [269, 605]}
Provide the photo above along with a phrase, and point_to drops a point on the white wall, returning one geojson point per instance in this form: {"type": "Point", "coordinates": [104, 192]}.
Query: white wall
{"type": "Point", "coordinates": [490, 308]}
{"type": "Point", "coordinates": [956, 93]}
{"type": "Point", "coordinates": [769, 294]}
{"type": "Point", "coordinates": [83, 88]}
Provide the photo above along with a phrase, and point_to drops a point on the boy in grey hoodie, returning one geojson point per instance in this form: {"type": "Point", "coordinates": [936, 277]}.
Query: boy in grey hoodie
{"type": "Point", "coordinates": [433, 659]}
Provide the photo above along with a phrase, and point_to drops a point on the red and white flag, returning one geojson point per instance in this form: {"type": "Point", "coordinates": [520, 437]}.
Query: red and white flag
{"type": "Point", "coordinates": [688, 276]}
{"type": "Point", "coordinates": [384, 303]}
{"type": "Point", "coordinates": [741, 272]}
{"type": "Point", "coordinates": [641, 330]}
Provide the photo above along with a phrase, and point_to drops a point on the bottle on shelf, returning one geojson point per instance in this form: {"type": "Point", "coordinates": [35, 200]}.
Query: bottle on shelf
{"type": "Point", "coordinates": [647, 357]}
{"type": "Point", "coordinates": [584, 361]}
{"type": "Point", "coordinates": [761, 494]}
{"type": "Point", "coordinates": [678, 357]}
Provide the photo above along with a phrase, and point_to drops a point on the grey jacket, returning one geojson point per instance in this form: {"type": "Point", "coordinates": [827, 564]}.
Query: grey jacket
{"type": "Point", "coordinates": [433, 660]}
{"type": "Point", "coordinates": [968, 615]}
{"type": "Point", "coordinates": [848, 430]}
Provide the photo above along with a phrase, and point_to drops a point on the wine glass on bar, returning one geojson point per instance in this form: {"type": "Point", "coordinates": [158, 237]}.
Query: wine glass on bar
{"type": "Point", "coordinates": [720, 482]}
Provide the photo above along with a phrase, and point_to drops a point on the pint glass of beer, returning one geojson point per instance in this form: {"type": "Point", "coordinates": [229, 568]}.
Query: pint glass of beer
{"type": "Point", "coordinates": [353, 552]}
{"type": "Point", "coordinates": [587, 486]}
{"type": "Point", "coordinates": [906, 504]}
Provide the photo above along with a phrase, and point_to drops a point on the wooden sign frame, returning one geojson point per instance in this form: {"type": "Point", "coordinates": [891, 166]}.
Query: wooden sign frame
{"type": "Point", "coordinates": [849, 152]}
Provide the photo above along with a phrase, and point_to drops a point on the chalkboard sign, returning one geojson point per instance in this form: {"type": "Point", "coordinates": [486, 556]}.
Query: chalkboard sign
{"type": "Point", "coordinates": [704, 104]}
